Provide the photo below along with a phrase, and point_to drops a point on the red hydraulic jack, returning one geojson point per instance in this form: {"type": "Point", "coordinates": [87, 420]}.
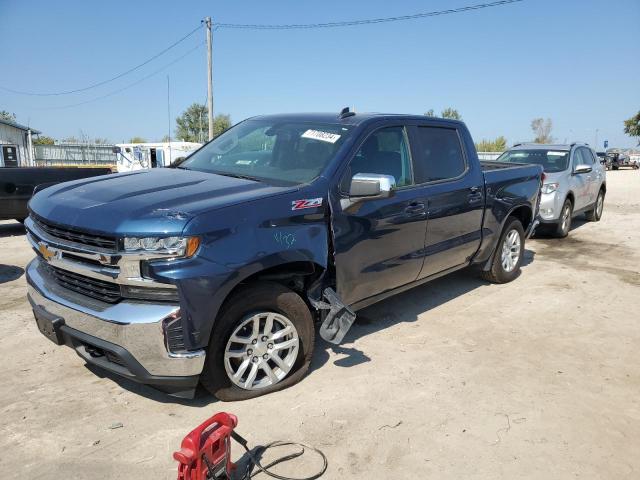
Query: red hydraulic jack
{"type": "Point", "coordinates": [205, 453]}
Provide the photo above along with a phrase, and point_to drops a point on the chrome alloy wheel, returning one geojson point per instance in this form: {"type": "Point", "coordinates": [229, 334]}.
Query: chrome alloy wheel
{"type": "Point", "coordinates": [599, 205]}
{"type": "Point", "coordinates": [566, 214]}
{"type": "Point", "coordinates": [261, 350]}
{"type": "Point", "coordinates": [510, 250]}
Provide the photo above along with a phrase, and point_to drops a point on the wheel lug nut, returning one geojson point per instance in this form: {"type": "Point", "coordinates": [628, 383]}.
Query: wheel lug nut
{"type": "Point", "coordinates": [265, 338]}
{"type": "Point", "coordinates": [265, 356]}
{"type": "Point", "coordinates": [270, 346]}
{"type": "Point", "coordinates": [255, 359]}
{"type": "Point", "coordinates": [253, 342]}
{"type": "Point", "coordinates": [249, 352]}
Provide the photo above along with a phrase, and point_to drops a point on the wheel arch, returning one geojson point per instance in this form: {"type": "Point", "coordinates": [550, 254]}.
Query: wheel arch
{"type": "Point", "coordinates": [524, 213]}
{"type": "Point", "coordinates": [297, 275]}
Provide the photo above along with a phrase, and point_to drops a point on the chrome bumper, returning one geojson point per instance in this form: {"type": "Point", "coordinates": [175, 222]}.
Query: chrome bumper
{"type": "Point", "coordinates": [135, 326]}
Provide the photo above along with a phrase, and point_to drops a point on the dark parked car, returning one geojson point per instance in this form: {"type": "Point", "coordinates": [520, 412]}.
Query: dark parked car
{"type": "Point", "coordinates": [17, 185]}
{"type": "Point", "coordinates": [216, 271]}
{"type": "Point", "coordinates": [616, 160]}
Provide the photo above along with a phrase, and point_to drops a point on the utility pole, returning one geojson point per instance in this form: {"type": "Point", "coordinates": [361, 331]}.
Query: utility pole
{"type": "Point", "coordinates": [207, 22]}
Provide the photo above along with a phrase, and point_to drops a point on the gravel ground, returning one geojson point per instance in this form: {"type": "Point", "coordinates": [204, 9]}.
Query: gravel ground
{"type": "Point", "coordinates": [455, 379]}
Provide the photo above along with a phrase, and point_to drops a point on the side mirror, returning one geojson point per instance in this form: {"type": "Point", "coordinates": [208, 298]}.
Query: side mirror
{"type": "Point", "coordinates": [372, 185]}
{"type": "Point", "coordinates": [582, 169]}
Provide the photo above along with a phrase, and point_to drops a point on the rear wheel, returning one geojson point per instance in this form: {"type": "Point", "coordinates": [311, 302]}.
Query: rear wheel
{"type": "Point", "coordinates": [509, 253]}
{"type": "Point", "coordinates": [564, 222]}
{"type": "Point", "coordinates": [595, 214]}
{"type": "Point", "coordinates": [262, 342]}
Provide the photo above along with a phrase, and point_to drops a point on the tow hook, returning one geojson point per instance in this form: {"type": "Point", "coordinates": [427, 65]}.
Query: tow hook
{"type": "Point", "coordinates": [338, 317]}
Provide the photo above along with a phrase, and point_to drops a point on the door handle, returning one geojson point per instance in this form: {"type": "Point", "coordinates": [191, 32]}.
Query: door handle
{"type": "Point", "coordinates": [475, 194]}
{"type": "Point", "coordinates": [415, 208]}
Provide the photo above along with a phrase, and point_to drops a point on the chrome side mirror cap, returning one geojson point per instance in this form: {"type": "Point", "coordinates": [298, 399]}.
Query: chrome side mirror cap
{"type": "Point", "coordinates": [582, 169]}
{"type": "Point", "coordinates": [371, 185]}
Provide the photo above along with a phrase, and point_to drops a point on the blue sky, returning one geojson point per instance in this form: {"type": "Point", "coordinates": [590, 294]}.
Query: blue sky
{"type": "Point", "coordinates": [574, 61]}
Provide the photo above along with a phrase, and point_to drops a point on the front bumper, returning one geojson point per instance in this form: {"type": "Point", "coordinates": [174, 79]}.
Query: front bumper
{"type": "Point", "coordinates": [126, 338]}
{"type": "Point", "coordinates": [550, 206]}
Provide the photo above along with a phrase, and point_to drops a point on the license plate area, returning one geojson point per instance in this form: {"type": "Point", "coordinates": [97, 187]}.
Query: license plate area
{"type": "Point", "coordinates": [49, 325]}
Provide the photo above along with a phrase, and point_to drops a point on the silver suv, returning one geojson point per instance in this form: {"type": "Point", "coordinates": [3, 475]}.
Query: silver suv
{"type": "Point", "coordinates": [575, 182]}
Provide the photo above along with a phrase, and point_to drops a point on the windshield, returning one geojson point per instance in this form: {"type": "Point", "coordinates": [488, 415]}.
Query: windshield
{"type": "Point", "coordinates": [274, 151]}
{"type": "Point", "coordinates": [551, 160]}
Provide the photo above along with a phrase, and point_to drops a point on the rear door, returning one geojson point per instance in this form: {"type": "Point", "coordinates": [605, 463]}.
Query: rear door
{"type": "Point", "coordinates": [378, 243]}
{"type": "Point", "coordinates": [453, 185]}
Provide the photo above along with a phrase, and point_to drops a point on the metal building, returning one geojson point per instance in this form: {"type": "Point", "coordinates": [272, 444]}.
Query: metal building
{"type": "Point", "coordinates": [16, 145]}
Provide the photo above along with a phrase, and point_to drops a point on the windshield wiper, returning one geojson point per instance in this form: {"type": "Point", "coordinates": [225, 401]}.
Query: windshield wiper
{"type": "Point", "coordinates": [238, 175]}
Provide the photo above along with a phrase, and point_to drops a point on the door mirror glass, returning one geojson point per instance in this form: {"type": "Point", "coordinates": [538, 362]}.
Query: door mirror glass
{"type": "Point", "coordinates": [582, 168]}
{"type": "Point", "coordinates": [372, 185]}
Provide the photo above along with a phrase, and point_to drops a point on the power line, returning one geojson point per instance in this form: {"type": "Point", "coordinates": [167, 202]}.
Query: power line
{"type": "Point", "coordinates": [351, 23]}
{"type": "Point", "coordinates": [94, 85]}
{"type": "Point", "coordinates": [127, 86]}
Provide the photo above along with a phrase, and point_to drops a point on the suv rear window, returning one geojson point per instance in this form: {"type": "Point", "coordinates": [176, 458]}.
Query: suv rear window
{"type": "Point", "coordinates": [552, 161]}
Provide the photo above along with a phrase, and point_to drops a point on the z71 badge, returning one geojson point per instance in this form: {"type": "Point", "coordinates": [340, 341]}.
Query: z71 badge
{"type": "Point", "coordinates": [306, 203]}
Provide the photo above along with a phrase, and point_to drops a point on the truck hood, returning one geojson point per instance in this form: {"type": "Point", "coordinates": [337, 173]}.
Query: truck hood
{"type": "Point", "coordinates": [157, 201]}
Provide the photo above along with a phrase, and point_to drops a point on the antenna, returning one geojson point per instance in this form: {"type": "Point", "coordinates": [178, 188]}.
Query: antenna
{"type": "Point", "coordinates": [346, 113]}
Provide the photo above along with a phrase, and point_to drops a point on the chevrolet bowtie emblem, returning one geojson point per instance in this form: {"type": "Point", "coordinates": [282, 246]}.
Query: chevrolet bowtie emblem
{"type": "Point", "coordinates": [45, 252]}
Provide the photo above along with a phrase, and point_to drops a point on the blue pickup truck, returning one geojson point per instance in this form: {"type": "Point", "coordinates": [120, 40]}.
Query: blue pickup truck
{"type": "Point", "coordinates": [222, 270]}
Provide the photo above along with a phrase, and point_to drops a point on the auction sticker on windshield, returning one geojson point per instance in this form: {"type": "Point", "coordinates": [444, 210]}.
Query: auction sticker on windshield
{"type": "Point", "coordinates": [322, 136]}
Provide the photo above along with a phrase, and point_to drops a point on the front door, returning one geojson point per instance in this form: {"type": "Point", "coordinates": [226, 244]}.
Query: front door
{"type": "Point", "coordinates": [454, 188]}
{"type": "Point", "coordinates": [378, 242]}
{"type": "Point", "coordinates": [580, 182]}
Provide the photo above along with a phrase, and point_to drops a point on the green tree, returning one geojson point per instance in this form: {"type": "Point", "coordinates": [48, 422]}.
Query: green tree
{"type": "Point", "coordinates": [430, 113]}
{"type": "Point", "coordinates": [137, 140]}
{"type": "Point", "coordinates": [8, 116]}
{"type": "Point", "coordinates": [101, 141]}
{"type": "Point", "coordinates": [44, 140]}
{"type": "Point", "coordinates": [497, 145]}
{"type": "Point", "coordinates": [451, 113]}
{"type": "Point", "coordinates": [542, 130]}
{"type": "Point", "coordinates": [632, 127]}
{"type": "Point", "coordinates": [192, 124]}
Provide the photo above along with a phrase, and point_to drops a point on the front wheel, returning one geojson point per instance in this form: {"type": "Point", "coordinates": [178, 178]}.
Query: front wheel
{"type": "Point", "coordinates": [509, 253]}
{"type": "Point", "coordinates": [262, 342]}
{"type": "Point", "coordinates": [564, 222]}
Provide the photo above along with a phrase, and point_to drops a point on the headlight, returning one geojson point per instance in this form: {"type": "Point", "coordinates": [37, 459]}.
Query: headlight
{"type": "Point", "coordinates": [550, 187]}
{"type": "Point", "coordinates": [174, 246]}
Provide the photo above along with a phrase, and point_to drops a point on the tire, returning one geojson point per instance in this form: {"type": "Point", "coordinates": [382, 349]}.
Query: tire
{"type": "Point", "coordinates": [239, 315]}
{"type": "Point", "coordinates": [563, 226]}
{"type": "Point", "coordinates": [595, 214]}
{"type": "Point", "coordinates": [501, 271]}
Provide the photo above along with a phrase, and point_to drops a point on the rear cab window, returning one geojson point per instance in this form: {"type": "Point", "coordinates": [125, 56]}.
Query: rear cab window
{"type": "Point", "coordinates": [440, 156]}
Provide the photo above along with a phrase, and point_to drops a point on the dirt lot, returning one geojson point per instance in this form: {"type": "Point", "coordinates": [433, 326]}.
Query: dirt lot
{"type": "Point", "coordinates": [455, 379]}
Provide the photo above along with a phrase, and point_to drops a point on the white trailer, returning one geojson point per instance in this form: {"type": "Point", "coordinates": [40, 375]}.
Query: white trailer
{"type": "Point", "coordinates": [140, 156]}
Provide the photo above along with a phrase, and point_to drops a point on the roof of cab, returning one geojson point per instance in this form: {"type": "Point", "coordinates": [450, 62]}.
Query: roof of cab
{"type": "Point", "coordinates": [356, 119]}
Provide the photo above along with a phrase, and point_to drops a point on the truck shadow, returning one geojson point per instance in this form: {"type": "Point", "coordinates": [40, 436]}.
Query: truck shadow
{"type": "Point", "coordinates": [201, 399]}
{"type": "Point", "coordinates": [11, 229]}
{"type": "Point", "coordinates": [404, 307]}
{"type": "Point", "coordinates": [9, 273]}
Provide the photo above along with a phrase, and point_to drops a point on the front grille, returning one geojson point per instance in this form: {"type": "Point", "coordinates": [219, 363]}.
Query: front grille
{"type": "Point", "coordinates": [91, 287]}
{"type": "Point", "coordinates": [77, 236]}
